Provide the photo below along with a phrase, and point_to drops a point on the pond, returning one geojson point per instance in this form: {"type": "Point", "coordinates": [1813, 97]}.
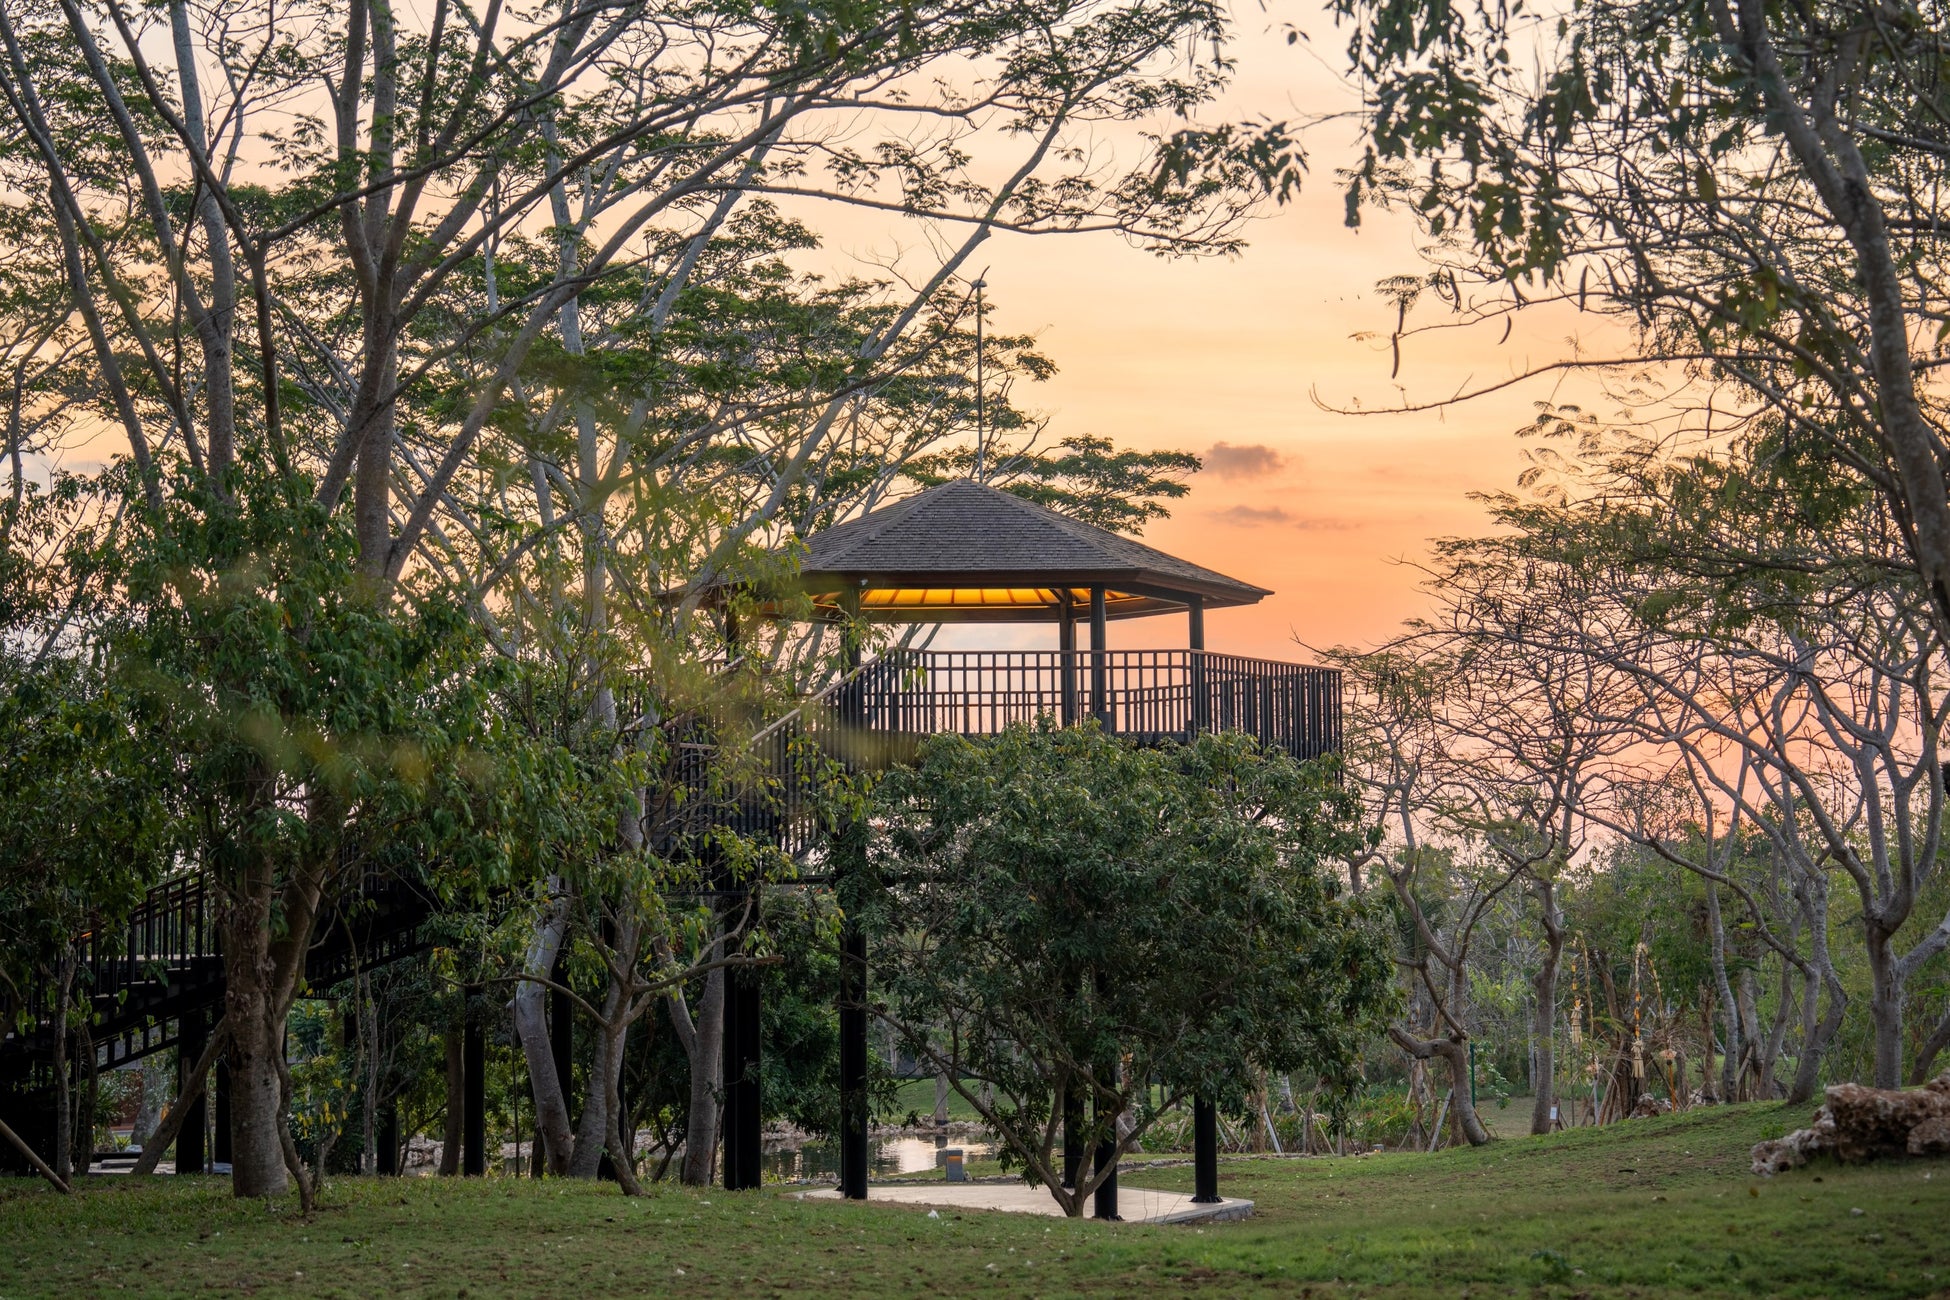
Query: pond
{"type": "Point", "coordinates": [888, 1155]}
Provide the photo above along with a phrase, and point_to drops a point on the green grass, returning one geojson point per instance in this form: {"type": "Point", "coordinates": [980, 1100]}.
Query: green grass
{"type": "Point", "coordinates": [917, 1096]}
{"type": "Point", "coordinates": [1650, 1208]}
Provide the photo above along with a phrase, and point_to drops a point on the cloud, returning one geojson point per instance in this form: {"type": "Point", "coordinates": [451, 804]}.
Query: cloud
{"type": "Point", "coordinates": [1254, 515]}
{"type": "Point", "coordinates": [1263, 516]}
{"type": "Point", "coordinates": [1224, 460]}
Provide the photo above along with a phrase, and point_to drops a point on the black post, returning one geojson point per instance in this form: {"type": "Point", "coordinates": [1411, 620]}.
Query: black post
{"type": "Point", "coordinates": [1099, 665]}
{"type": "Point", "coordinates": [220, 1140]}
{"type": "Point", "coordinates": [743, 1117]}
{"type": "Point", "coordinates": [853, 1062]}
{"type": "Point", "coordinates": [1066, 658]}
{"type": "Point", "coordinates": [473, 1087]}
{"type": "Point", "coordinates": [389, 1140]}
{"type": "Point", "coordinates": [1195, 611]}
{"type": "Point", "coordinates": [194, 1035]}
{"type": "Point", "coordinates": [1205, 1152]}
{"type": "Point", "coordinates": [1106, 1199]}
{"type": "Point", "coordinates": [850, 867]}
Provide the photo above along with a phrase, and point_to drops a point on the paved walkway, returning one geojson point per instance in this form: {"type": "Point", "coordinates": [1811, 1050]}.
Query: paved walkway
{"type": "Point", "coordinates": [1136, 1204]}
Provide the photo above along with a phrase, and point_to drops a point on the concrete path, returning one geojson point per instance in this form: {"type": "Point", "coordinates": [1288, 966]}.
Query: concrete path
{"type": "Point", "coordinates": [1136, 1204]}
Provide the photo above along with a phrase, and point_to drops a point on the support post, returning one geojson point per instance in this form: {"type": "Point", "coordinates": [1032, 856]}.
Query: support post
{"type": "Point", "coordinates": [1066, 657]}
{"type": "Point", "coordinates": [190, 1042]}
{"type": "Point", "coordinates": [1099, 663]}
{"type": "Point", "coordinates": [853, 1062]}
{"type": "Point", "coordinates": [1205, 1152]}
{"type": "Point", "coordinates": [1106, 1198]}
{"type": "Point", "coordinates": [743, 1116]}
{"type": "Point", "coordinates": [851, 870]}
{"type": "Point", "coordinates": [1196, 719]}
{"type": "Point", "coordinates": [473, 1071]}
{"type": "Point", "coordinates": [388, 1138]}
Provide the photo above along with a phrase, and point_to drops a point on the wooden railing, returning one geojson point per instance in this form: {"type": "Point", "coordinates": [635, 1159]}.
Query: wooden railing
{"type": "Point", "coordinates": [879, 715]}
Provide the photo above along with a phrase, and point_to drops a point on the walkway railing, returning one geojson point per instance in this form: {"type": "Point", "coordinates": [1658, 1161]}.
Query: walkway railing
{"type": "Point", "coordinates": [879, 715]}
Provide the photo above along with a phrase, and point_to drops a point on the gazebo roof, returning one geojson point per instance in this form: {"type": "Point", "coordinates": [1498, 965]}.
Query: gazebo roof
{"type": "Point", "coordinates": [965, 551]}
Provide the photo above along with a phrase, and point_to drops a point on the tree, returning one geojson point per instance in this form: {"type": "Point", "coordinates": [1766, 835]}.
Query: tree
{"type": "Point", "coordinates": [1789, 678]}
{"type": "Point", "coordinates": [86, 829]}
{"type": "Point", "coordinates": [1750, 190]}
{"type": "Point", "coordinates": [310, 736]}
{"type": "Point", "coordinates": [1067, 917]}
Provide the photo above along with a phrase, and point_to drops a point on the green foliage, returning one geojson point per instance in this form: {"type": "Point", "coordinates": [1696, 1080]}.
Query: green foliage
{"type": "Point", "coordinates": [801, 1060]}
{"type": "Point", "coordinates": [84, 830]}
{"type": "Point", "coordinates": [1058, 902]}
{"type": "Point", "coordinates": [298, 716]}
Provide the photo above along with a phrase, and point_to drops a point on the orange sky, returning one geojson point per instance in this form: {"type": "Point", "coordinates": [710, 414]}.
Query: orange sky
{"type": "Point", "coordinates": [1188, 354]}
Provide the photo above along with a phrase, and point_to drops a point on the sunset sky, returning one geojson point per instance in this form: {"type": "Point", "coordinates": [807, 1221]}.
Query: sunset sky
{"type": "Point", "coordinates": [1190, 354]}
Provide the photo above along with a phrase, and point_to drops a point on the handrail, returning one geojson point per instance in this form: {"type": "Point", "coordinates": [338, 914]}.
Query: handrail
{"type": "Point", "coordinates": [819, 697]}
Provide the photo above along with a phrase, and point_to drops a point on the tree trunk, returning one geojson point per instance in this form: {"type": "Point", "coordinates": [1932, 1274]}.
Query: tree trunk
{"type": "Point", "coordinates": [1747, 1003]}
{"type": "Point", "coordinates": [545, 1085]}
{"type": "Point", "coordinates": [1777, 1036]}
{"type": "Point", "coordinates": [706, 1045]}
{"type": "Point", "coordinates": [1544, 1015]}
{"type": "Point", "coordinates": [596, 1124]}
{"type": "Point", "coordinates": [373, 470]}
{"type": "Point", "coordinates": [1885, 1007]}
{"type": "Point", "coordinates": [63, 1083]}
{"type": "Point", "coordinates": [1708, 1090]}
{"type": "Point", "coordinates": [940, 1100]}
{"type": "Point", "coordinates": [84, 1134]}
{"type": "Point", "coordinates": [1816, 1034]}
{"type": "Point", "coordinates": [257, 1163]}
{"type": "Point", "coordinates": [1730, 1055]}
{"type": "Point", "coordinates": [1927, 1050]}
{"type": "Point", "coordinates": [1456, 1056]}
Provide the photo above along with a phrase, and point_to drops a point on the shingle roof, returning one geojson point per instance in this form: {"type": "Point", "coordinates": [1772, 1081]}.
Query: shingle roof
{"type": "Point", "coordinates": [964, 534]}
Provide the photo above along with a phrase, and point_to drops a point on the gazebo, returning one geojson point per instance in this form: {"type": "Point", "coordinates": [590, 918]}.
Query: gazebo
{"type": "Point", "coordinates": [964, 552]}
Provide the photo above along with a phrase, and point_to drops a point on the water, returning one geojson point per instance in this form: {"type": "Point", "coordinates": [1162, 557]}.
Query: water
{"type": "Point", "coordinates": [885, 1156]}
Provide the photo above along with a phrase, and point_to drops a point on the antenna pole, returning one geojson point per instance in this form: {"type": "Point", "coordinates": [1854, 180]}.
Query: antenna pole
{"type": "Point", "coordinates": [981, 411]}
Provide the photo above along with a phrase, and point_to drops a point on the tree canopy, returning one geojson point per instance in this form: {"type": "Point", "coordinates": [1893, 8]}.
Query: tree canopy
{"type": "Point", "coordinates": [1067, 917]}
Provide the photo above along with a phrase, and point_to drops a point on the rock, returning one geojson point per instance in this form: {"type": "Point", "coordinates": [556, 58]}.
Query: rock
{"type": "Point", "coordinates": [1859, 1124]}
{"type": "Point", "coordinates": [1650, 1106]}
{"type": "Point", "coordinates": [1930, 1138]}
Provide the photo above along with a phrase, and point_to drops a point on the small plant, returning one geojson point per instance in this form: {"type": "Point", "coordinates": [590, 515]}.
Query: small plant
{"type": "Point", "coordinates": [1556, 1268]}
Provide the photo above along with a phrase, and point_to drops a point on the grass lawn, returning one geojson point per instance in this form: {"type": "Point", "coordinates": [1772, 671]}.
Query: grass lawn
{"type": "Point", "coordinates": [917, 1096]}
{"type": "Point", "coordinates": [1649, 1208]}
